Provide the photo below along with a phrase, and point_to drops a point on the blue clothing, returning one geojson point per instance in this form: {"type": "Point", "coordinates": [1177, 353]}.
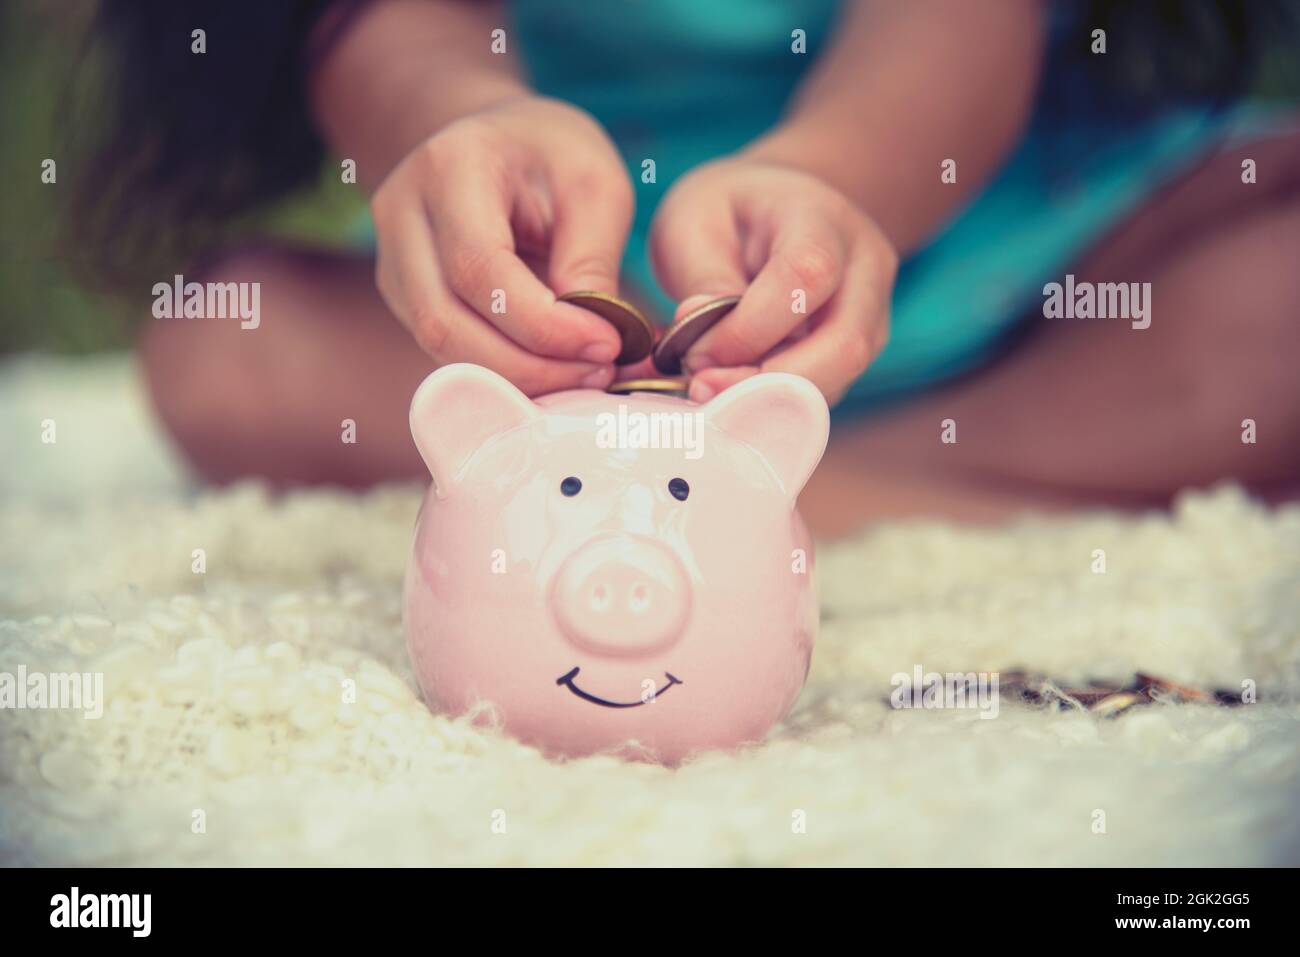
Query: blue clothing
{"type": "Point", "coordinates": [686, 81]}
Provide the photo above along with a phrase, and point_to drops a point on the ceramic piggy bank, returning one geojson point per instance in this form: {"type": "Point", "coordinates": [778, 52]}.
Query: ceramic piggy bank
{"type": "Point", "coordinates": [622, 573]}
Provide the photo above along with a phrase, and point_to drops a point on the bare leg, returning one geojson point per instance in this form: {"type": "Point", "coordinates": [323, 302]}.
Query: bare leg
{"type": "Point", "coordinates": [272, 401]}
{"type": "Point", "coordinates": [1094, 412]}
{"type": "Point", "coordinates": [1086, 412]}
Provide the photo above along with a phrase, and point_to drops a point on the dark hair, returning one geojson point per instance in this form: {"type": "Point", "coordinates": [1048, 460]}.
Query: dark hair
{"type": "Point", "coordinates": [173, 144]}
{"type": "Point", "coordinates": [183, 143]}
{"type": "Point", "coordinates": [1163, 50]}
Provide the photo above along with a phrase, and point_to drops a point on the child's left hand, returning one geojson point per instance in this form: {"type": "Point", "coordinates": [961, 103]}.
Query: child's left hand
{"type": "Point", "coordinates": [815, 274]}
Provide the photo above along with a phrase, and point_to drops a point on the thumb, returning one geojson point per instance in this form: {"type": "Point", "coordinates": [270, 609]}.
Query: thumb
{"type": "Point", "coordinates": [695, 259]}
{"type": "Point", "coordinates": [691, 303]}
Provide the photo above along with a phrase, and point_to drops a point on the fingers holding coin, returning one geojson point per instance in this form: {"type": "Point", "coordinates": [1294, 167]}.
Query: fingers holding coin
{"type": "Point", "coordinates": [636, 334]}
{"type": "Point", "coordinates": [802, 271]}
{"type": "Point", "coordinates": [677, 340]}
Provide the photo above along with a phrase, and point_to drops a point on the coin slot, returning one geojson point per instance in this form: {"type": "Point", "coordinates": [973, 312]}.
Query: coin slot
{"type": "Point", "coordinates": [677, 387]}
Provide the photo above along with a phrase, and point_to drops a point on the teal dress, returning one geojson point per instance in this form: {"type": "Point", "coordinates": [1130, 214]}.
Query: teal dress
{"type": "Point", "coordinates": [686, 81]}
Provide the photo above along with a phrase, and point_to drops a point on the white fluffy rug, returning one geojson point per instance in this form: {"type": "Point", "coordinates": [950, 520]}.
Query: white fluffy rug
{"type": "Point", "coordinates": [223, 739]}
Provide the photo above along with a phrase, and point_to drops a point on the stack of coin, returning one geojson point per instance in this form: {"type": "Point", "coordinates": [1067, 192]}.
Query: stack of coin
{"type": "Point", "coordinates": [1105, 699]}
{"type": "Point", "coordinates": [637, 336]}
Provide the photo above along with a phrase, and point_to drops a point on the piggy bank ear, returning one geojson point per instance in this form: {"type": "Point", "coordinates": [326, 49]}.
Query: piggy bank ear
{"type": "Point", "coordinates": [784, 417]}
{"type": "Point", "coordinates": [456, 410]}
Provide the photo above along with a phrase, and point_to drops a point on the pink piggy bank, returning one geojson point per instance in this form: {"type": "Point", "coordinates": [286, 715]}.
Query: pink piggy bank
{"type": "Point", "coordinates": [622, 573]}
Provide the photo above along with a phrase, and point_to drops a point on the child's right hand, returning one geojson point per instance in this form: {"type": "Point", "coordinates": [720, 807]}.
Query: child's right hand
{"type": "Point", "coordinates": [471, 218]}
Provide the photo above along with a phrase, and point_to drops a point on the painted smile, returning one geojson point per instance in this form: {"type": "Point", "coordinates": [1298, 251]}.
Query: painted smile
{"type": "Point", "coordinates": [567, 681]}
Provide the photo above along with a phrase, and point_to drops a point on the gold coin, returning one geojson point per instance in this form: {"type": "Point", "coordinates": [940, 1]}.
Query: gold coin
{"type": "Point", "coordinates": [686, 331]}
{"type": "Point", "coordinates": [676, 387]}
{"type": "Point", "coordinates": [1116, 704]}
{"type": "Point", "coordinates": [635, 331]}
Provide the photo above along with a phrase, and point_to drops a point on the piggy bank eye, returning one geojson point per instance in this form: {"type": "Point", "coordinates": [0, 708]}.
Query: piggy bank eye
{"type": "Point", "coordinates": [679, 489]}
{"type": "Point", "coordinates": [571, 486]}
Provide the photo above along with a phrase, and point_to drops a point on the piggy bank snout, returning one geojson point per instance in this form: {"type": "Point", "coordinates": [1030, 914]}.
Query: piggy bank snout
{"type": "Point", "coordinates": [622, 595]}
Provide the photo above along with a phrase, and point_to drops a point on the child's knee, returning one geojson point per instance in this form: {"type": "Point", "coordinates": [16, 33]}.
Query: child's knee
{"type": "Point", "coordinates": [202, 370]}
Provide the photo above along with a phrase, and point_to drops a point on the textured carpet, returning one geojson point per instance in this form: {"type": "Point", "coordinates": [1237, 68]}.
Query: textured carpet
{"type": "Point", "coordinates": [224, 738]}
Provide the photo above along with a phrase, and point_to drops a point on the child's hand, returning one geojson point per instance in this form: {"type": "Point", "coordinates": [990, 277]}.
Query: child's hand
{"type": "Point", "coordinates": [783, 239]}
{"type": "Point", "coordinates": [471, 218]}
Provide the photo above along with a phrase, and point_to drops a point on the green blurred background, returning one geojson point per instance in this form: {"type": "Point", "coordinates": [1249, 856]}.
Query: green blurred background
{"type": "Point", "coordinates": [41, 304]}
